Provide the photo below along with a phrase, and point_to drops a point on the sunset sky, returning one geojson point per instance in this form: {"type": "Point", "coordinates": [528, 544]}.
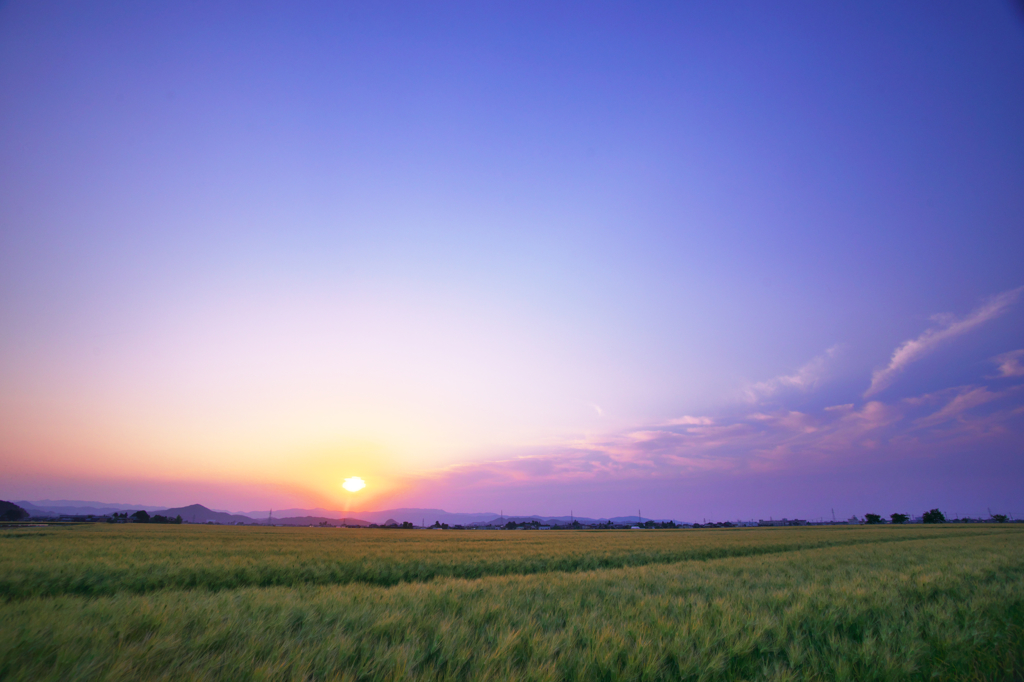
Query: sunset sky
{"type": "Point", "coordinates": [711, 259]}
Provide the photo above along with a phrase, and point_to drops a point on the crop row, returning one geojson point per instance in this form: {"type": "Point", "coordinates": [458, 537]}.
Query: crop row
{"type": "Point", "coordinates": [943, 608]}
{"type": "Point", "coordinates": [102, 560]}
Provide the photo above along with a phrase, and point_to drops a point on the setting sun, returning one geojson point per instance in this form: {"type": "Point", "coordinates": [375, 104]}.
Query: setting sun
{"type": "Point", "coordinates": [354, 484]}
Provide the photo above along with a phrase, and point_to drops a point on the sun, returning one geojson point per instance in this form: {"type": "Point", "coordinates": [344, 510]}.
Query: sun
{"type": "Point", "coordinates": [354, 484]}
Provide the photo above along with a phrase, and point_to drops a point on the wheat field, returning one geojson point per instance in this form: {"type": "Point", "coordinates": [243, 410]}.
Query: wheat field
{"type": "Point", "coordinates": [210, 603]}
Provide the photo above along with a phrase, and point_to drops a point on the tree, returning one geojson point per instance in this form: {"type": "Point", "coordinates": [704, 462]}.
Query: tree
{"type": "Point", "coordinates": [873, 518]}
{"type": "Point", "coordinates": [1000, 518]}
{"type": "Point", "coordinates": [934, 516]}
{"type": "Point", "coordinates": [511, 525]}
{"type": "Point", "coordinates": [406, 524]}
{"type": "Point", "coordinates": [141, 516]}
{"type": "Point", "coordinates": [899, 518]}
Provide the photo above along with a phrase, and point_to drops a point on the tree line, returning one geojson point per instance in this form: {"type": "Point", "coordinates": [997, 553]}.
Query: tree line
{"type": "Point", "coordinates": [930, 516]}
{"type": "Point", "coordinates": [142, 516]}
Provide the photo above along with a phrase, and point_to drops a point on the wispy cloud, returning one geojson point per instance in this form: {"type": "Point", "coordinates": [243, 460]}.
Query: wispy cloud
{"type": "Point", "coordinates": [1010, 364]}
{"type": "Point", "coordinates": [966, 399]}
{"type": "Point", "coordinates": [763, 441]}
{"type": "Point", "coordinates": [687, 420]}
{"type": "Point", "coordinates": [804, 379]}
{"type": "Point", "coordinates": [949, 327]}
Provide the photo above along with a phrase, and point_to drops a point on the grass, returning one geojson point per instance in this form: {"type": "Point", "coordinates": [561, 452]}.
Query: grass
{"type": "Point", "coordinates": [914, 603]}
{"type": "Point", "coordinates": [103, 560]}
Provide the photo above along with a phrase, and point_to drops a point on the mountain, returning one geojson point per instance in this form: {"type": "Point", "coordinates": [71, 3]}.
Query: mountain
{"type": "Point", "coordinates": [543, 520]}
{"type": "Point", "coordinates": [413, 515]}
{"type": "Point", "coordinates": [61, 507]}
{"type": "Point", "coordinates": [197, 513]}
{"type": "Point", "coordinates": [316, 520]}
{"type": "Point", "coordinates": [563, 520]}
{"type": "Point", "coordinates": [12, 512]}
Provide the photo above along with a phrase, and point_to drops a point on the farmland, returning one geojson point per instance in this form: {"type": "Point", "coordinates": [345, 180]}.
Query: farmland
{"type": "Point", "coordinates": [195, 602]}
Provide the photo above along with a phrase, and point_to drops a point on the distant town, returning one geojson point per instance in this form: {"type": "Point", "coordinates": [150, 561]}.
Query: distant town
{"type": "Point", "coordinates": [28, 512]}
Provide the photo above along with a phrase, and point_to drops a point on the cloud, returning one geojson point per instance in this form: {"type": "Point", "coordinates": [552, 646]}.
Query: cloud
{"type": "Point", "coordinates": [965, 400]}
{"type": "Point", "coordinates": [871, 434]}
{"type": "Point", "coordinates": [804, 379]}
{"type": "Point", "coordinates": [949, 327]}
{"type": "Point", "coordinates": [687, 420]}
{"type": "Point", "coordinates": [1010, 364]}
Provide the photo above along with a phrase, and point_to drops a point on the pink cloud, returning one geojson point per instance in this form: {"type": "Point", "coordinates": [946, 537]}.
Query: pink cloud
{"type": "Point", "coordinates": [1010, 364]}
{"type": "Point", "coordinates": [965, 400]}
{"type": "Point", "coordinates": [949, 327]}
{"type": "Point", "coordinates": [759, 442]}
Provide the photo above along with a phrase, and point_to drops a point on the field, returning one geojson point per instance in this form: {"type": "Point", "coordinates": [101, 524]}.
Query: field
{"type": "Point", "coordinates": [206, 602]}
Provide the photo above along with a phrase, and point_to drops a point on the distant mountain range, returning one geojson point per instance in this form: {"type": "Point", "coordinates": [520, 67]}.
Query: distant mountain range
{"type": "Point", "coordinates": [413, 515]}
{"type": "Point", "coordinates": [197, 513]}
{"type": "Point", "coordinates": [76, 507]}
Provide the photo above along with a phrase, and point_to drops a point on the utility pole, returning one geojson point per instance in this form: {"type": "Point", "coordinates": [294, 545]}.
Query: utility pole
{"type": "Point", "coordinates": [833, 516]}
{"type": "Point", "coordinates": [270, 516]}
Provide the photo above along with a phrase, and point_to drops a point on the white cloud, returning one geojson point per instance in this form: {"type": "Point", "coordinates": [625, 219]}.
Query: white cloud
{"type": "Point", "coordinates": [949, 327]}
{"type": "Point", "coordinates": [1010, 364]}
{"type": "Point", "coordinates": [687, 420]}
{"type": "Point", "coordinates": [804, 379]}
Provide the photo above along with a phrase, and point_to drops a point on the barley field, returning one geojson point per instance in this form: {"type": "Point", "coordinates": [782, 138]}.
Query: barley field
{"type": "Point", "coordinates": [208, 603]}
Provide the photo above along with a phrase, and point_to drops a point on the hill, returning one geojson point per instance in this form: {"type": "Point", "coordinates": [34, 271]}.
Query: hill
{"type": "Point", "coordinates": [197, 513]}
{"type": "Point", "coordinates": [71, 507]}
{"type": "Point", "coordinates": [411, 514]}
{"type": "Point", "coordinates": [316, 520]}
{"type": "Point", "coordinates": [11, 512]}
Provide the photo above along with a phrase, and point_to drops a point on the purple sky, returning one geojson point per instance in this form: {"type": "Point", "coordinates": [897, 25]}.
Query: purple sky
{"type": "Point", "coordinates": [710, 259]}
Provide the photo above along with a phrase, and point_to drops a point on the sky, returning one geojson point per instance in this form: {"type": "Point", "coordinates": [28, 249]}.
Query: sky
{"type": "Point", "coordinates": [711, 260]}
